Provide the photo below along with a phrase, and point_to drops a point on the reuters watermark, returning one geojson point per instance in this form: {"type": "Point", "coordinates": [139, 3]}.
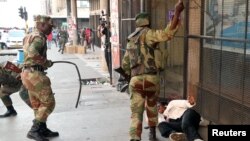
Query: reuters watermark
{"type": "Point", "coordinates": [221, 132]}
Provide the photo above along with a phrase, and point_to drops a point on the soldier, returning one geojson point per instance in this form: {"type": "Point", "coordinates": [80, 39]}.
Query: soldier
{"type": "Point", "coordinates": [63, 39]}
{"type": "Point", "coordinates": [142, 65]}
{"type": "Point", "coordinates": [10, 83]}
{"type": "Point", "coordinates": [35, 80]}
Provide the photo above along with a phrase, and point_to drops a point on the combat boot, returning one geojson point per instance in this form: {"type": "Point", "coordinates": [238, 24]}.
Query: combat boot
{"type": "Point", "coordinates": [152, 134]}
{"type": "Point", "coordinates": [34, 132]}
{"type": "Point", "coordinates": [10, 112]}
{"type": "Point", "coordinates": [47, 132]}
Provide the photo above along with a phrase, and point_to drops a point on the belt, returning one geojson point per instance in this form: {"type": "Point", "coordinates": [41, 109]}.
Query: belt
{"type": "Point", "coordinates": [35, 68]}
{"type": "Point", "coordinates": [152, 73]}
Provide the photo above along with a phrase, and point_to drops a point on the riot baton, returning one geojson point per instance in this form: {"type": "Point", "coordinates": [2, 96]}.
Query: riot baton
{"type": "Point", "coordinates": [79, 75]}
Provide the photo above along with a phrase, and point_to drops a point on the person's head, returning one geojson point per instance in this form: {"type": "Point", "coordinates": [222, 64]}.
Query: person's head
{"type": "Point", "coordinates": [103, 24]}
{"type": "Point", "coordinates": [162, 107]}
{"type": "Point", "coordinates": [142, 19]}
{"type": "Point", "coordinates": [44, 24]}
{"type": "Point", "coordinates": [191, 99]}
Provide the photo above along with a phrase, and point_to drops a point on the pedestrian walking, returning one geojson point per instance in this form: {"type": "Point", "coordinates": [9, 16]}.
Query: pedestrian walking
{"type": "Point", "coordinates": [49, 40]}
{"type": "Point", "coordinates": [63, 39]}
{"type": "Point", "coordinates": [4, 38]}
{"type": "Point", "coordinates": [89, 36]}
{"type": "Point", "coordinates": [82, 36]}
{"type": "Point", "coordinates": [55, 36]}
{"type": "Point", "coordinates": [142, 65]}
{"type": "Point", "coordinates": [35, 80]}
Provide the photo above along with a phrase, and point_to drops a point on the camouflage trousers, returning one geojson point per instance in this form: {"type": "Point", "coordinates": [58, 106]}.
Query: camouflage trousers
{"type": "Point", "coordinates": [40, 93]}
{"type": "Point", "coordinates": [144, 90]}
{"type": "Point", "coordinates": [6, 91]}
{"type": "Point", "coordinates": [23, 93]}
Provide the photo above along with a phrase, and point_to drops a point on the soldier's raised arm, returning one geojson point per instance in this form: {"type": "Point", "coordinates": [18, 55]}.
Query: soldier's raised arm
{"type": "Point", "coordinates": [168, 33]}
{"type": "Point", "coordinates": [179, 7]}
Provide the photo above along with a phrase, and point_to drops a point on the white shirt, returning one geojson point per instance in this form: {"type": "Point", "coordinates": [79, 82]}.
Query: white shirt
{"type": "Point", "coordinates": [161, 118]}
{"type": "Point", "coordinates": [176, 108]}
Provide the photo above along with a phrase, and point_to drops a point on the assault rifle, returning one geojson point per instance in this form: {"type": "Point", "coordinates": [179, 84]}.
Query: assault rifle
{"type": "Point", "coordinates": [12, 67]}
{"type": "Point", "coordinates": [122, 73]}
{"type": "Point", "coordinates": [126, 77]}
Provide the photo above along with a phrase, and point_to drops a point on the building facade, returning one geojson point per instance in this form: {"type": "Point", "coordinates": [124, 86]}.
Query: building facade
{"type": "Point", "coordinates": [60, 11]}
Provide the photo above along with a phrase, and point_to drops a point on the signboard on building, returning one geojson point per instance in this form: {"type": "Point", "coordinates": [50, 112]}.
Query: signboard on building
{"type": "Point", "coordinates": [115, 33]}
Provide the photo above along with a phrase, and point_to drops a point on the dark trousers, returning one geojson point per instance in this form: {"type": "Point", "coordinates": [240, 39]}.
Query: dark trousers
{"type": "Point", "coordinates": [188, 123]}
{"type": "Point", "coordinates": [107, 53]}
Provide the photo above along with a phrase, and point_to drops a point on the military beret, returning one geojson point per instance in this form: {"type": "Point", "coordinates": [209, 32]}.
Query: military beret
{"type": "Point", "coordinates": [142, 19]}
{"type": "Point", "coordinates": [142, 15]}
{"type": "Point", "coordinates": [43, 19]}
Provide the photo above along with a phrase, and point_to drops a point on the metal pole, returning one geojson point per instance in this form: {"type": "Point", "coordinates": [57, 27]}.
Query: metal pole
{"type": "Point", "coordinates": [142, 8]}
{"type": "Point", "coordinates": [110, 53]}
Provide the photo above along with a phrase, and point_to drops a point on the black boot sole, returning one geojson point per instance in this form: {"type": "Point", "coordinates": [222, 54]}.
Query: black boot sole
{"type": "Point", "coordinates": [51, 135]}
{"type": "Point", "coordinates": [32, 137]}
{"type": "Point", "coordinates": [8, 115]}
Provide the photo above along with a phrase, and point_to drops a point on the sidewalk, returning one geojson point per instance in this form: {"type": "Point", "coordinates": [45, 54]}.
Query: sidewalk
{"type": "Point", "coordinates": [103, 113]}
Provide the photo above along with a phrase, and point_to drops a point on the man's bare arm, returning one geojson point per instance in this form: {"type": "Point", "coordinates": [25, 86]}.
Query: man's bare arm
{"type": "Point", "coordinates": [179, 7]}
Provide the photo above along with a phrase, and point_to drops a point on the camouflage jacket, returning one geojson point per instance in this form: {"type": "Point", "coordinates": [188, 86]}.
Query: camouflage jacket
{"type": "Point", "coordinates": [35, 50]}
{"type": "Point", "coordinates": [63, 35]}
{"type": "Point", "coordinates": [140, 56]}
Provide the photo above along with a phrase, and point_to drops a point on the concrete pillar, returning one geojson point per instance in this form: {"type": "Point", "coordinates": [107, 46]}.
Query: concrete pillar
{"type": "Point", "coordinates": [68, 7]}
{"type": "Point", "coordinates": [74, 18]}
{"type": "Point", "coordinates": [103, 6]}
{"type": "Point", "coordinates": [142, 8]}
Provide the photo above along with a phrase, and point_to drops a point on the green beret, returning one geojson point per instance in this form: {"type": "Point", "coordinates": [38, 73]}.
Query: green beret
{"type": "Point", "coordinates": [43, 19]}
{"type": "Point", "coordinates": [142, 19]}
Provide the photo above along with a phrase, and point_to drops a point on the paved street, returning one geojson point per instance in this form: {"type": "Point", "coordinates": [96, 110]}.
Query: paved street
{"type": "Point", "coordinates": [103, 113]}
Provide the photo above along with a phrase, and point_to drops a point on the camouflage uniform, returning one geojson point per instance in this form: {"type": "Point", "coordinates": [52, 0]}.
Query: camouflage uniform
{"type": "Point", "coordinates": [35, 80]}
{"type": "Point", "coordinates": [63, 39]}
{"type": "Point", "coordinates": [141, 63]}
{"type": "Point", "coordinates": [9, 84]}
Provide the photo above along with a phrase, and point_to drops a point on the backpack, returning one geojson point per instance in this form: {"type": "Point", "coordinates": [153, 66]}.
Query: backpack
{"type": "Point", "coordinates": [158, 53]}
{"type": "Point", "coordinates": [160, 57]}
